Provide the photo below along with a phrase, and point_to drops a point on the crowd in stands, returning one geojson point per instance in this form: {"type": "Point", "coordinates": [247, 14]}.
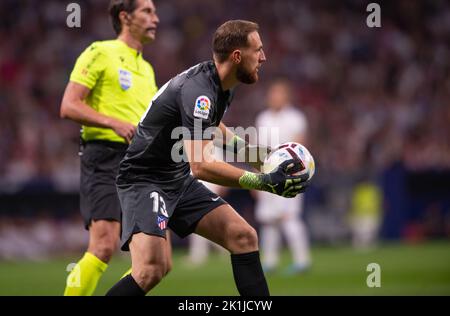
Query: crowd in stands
{"type": "Point", "coordinates": [373, 97]}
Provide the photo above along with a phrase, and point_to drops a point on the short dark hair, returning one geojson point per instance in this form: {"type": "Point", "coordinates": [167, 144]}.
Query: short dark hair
{"type": "Point", "coordinates": [230, 36]}
{"type": "Point", "coordinates": [117, 6]}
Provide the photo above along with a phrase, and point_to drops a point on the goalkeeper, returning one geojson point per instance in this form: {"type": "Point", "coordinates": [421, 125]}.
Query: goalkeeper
{"type": "Point", "coordinates": [157, 191]}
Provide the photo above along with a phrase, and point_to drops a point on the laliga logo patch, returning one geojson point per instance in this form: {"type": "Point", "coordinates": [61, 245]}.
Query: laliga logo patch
{"type": "Point", "coordinates": [125, 79]}
{"type": "Point", "coordinates": [202, 107]}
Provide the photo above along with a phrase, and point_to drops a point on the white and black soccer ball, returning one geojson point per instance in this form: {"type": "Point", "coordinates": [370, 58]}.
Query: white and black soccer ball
{"type": "Point", "coordinates": [288, 151]}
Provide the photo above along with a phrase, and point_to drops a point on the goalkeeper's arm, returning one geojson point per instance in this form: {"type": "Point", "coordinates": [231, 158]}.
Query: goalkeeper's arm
{"type": "Point", "coordinates": [205, 167]}
{"type": "Point", "coordinates": [254, 155]}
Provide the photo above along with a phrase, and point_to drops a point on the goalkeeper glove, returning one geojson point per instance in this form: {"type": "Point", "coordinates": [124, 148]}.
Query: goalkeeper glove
{"type": "Point", "coordinates": [280, 181]}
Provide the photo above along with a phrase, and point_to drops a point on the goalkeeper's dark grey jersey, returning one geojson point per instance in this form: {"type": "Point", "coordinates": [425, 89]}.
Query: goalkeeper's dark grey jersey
{"type": "Point", "coordinates": [191, 102]}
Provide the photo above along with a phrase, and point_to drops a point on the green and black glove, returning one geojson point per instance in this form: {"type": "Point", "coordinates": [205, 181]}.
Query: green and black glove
{"type": "Point", "coordinates": [280, 181]}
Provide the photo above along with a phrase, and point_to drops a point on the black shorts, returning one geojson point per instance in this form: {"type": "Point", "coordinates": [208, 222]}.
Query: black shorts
{"type": "Point", "coordinates": [151, 208]}
{"type": "Point", "coordinates": [98, 194]}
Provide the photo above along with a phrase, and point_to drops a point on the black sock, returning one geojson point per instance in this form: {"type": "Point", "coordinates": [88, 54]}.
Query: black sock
{"type": "Point", "coordinates": [248, 274]}
{"type": "Point", "coordinates": [127, 286]}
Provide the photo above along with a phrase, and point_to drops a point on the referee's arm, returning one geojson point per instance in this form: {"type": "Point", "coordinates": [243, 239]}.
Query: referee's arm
{"type": "Point", "coordinates": [73, 107]}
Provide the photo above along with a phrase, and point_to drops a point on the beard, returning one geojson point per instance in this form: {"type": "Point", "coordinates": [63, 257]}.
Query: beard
{"type": "Point", "coordinates": [245, 76]}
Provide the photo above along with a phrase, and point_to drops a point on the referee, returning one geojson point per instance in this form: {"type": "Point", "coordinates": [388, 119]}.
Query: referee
{"type": "Point", "coordinates": [109, 90]}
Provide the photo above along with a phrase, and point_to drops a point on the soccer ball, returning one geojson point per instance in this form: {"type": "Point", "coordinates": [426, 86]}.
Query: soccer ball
{"type": "Point", "coordinates": [288, 151]}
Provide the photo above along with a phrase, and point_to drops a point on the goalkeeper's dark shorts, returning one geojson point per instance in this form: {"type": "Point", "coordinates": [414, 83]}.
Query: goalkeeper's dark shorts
{"type": "Point", "coordinates": [150, 207]}
{"type": "Point", "coordinates": [98, 194]}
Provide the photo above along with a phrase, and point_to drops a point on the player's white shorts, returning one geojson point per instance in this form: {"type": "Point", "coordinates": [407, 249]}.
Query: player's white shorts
{"type": "Point", "coordinates": [270, 207]}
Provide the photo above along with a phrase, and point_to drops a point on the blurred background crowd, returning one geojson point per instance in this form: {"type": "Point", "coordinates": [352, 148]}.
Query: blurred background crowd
{"type": "Point", "coordinates": [377, 102]}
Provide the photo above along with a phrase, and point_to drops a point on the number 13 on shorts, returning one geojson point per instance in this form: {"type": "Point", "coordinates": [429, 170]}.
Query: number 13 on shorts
{"type": "Point", "coordinates": [158, 204]}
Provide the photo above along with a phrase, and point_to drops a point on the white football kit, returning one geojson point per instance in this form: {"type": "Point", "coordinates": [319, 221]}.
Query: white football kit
{"type": "Point", "coordinates": [276, 128]}
{"type": "Point", "coordinates": [275, 213]}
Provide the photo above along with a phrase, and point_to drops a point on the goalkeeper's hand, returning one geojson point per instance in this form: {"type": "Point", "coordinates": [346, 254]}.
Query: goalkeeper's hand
{"type": "Point", "coordinates": [280, 181]}
{"type": "Point", "coordinates": [283, 183]}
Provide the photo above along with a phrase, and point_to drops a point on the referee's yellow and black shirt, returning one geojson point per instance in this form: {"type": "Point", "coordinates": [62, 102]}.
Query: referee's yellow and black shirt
{"type": "Point", "coordinates": [122, 84]}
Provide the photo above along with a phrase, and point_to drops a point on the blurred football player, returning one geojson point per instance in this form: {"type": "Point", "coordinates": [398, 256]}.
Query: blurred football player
{"type": "Point", "coordinates": [276, 214]}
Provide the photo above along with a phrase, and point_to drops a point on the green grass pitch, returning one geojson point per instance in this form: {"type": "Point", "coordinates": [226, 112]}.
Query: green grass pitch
{"type": "Point", "coordinates": [405, 270]}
